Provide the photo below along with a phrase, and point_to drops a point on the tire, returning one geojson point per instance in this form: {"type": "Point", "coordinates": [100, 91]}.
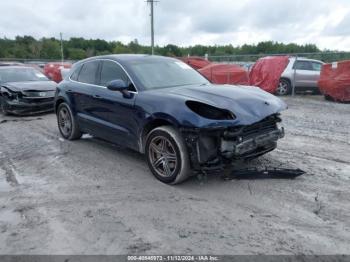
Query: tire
{"type": "Point", "coordinates": [161, 155]}
{"type": "Point", "coordinates": [67, 123]}
{"type": "Point", "coordinates": [3, 107]}
{"type": "Point", "coordinates": [284, 87]}
{"type": "Point", "coordinates": [316, 92]}
{"type": "Point", "coordinates": [328, 98]}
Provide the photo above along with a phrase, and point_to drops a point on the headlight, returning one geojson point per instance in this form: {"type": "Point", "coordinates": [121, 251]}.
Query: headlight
{"type": "Point", "coordinates": [10, 95]}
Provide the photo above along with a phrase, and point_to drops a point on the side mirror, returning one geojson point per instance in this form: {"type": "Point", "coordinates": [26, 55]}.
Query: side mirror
{"type": "Point", "coordinates": [121, 86]}
{"type": "Point", "coordinates": [117, 85]}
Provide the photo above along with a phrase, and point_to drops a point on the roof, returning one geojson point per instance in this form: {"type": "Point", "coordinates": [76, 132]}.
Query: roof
{"type": "Point", "coordinates": [125, 57]}
{"type": "Point", "coordinates": [305, 59]}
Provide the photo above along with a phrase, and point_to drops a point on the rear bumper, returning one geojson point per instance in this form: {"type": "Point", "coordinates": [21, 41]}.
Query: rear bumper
{"type": "Point", "coordinates": [29, 108]}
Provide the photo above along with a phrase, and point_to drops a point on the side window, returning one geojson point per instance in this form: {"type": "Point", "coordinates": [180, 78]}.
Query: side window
{"type": "Point", "coordinates": [75, 74]}
{"type": "Point", "coordinates": [88, 72]}
{"type": "Point", "coordinates": [112, 71]}
{"type": "Point", "coordinates": [302, 65]}
{"type": "Point", "coordinates": [316, 66]}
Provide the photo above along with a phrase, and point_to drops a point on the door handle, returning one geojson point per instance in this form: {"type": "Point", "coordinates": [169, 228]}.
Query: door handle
{"type": "Point", "coordinates": [97, 96]}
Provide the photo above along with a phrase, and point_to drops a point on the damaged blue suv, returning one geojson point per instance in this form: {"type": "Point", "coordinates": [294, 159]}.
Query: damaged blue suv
{"type": "Point", "coordinates": [163, 108]}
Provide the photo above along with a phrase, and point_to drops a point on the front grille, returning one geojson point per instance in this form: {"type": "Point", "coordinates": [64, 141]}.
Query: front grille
{"type": "Point", "coordinates": [38, 94]}
{"type": "Point", "coordinates": [267, 124]}
{"type": "Point", "coordinates": [36, 100]}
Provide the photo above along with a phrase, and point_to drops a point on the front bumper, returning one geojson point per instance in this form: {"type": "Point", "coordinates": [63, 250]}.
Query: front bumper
{"type": "Point", "coordinates": [18, 107]}
{"type": "Point", "coordinates": [243, 147]}
{"type": "Point", "coordinates": [213, 149]}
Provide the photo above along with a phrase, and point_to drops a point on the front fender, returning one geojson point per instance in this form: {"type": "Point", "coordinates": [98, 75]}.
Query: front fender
{"type": "Point", "coordinates": [62, 96]}
{"type": "Point", "coordinates": [152, 121]}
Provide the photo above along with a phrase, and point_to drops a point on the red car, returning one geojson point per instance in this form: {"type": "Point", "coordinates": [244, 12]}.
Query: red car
{"type": "Point", "coordinates": [225, 74]}
{"type": "Point", "coordinates": [53, 70]}
{"type": "Point", "coordinates": [195, 62]}
{"type": "Point", "coordinates": [334, 81]}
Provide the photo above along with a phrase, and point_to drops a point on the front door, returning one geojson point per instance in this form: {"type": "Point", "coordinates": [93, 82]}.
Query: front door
{"type": "Point", "coordinates": [115, 112]}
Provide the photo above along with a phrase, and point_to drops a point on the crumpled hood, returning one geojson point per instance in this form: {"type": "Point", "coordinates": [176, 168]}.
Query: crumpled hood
{"type": "Point", "coordinates": [249, 104]}
{"type": "Point", "coordinates": [31, 85]}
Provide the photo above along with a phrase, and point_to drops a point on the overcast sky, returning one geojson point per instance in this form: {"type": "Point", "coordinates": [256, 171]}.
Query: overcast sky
{"type": "Point", "coordinates": [325, 23]}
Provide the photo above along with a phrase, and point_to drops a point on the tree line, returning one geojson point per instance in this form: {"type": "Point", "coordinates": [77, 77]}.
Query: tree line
{"type": "Point", "coordinates": [27, 47]}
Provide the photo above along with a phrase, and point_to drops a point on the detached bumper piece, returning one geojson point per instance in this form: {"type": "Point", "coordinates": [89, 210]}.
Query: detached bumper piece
{"type": "Point", "coordinates": [211, 149]}
{"type": "Point", "coordinates": [273, 173]}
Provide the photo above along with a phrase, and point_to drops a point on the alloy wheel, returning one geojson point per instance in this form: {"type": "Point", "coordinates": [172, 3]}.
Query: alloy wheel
{"type": "Point", "coordinates": [162, 156]}
{"type": "Point", "coordinates": [282, 88]}
{"type": "Point", "coordinates": [65, 121]}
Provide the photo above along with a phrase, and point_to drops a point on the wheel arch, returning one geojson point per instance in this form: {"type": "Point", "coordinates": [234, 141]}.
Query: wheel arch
{"type": "Point", "coordinates": [286, 78]}
{"type": "Point", "coordinates": [59, 101]}
{"type": "Point", "coordinates": [152, 124]}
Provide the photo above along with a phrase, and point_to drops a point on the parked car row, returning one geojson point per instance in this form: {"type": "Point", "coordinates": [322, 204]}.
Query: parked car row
{"type": "Point", "coordinates": [264, 73]}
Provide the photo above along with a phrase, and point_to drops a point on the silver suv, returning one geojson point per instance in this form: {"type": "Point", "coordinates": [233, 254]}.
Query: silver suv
{"type": "Point", "coordinates": [307, 73]}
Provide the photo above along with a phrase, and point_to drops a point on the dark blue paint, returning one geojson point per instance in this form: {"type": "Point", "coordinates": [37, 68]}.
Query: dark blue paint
{"type": "Point", "coordinates": [112, 116]}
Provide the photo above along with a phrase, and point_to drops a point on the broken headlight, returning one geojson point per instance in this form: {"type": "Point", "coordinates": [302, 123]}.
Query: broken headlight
{"type": "Point", "coordinates": [210, 112]}
{"type": "Point", "coordinates": [12, 96]}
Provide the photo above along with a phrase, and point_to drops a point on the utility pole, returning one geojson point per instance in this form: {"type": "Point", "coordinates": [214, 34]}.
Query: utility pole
{"type": "Point", "coordinates": [62, 58]}
{"type": "Point", "coordinates": [151, 2]}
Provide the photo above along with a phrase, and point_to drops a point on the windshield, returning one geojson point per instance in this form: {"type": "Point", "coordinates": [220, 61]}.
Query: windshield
{"type": "Point", "coordinates": [19, 74]}
{"type": "Point", "coordinates": [166, 73]}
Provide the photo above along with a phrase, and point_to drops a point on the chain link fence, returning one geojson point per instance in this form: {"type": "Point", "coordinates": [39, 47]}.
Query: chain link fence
{"type": "Point", "coordinates": [326, 57]}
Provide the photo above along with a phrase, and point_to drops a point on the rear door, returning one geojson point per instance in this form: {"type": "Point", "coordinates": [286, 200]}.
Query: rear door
{"type": "Point", "coordinates": [115, 113]}
{"type": "Point", "coordinates": [316, 67]}
{"type": "Point", "coordinates": [305, 75]}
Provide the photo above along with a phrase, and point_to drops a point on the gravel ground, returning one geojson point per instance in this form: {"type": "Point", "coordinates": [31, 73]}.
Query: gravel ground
{"type": "Point", "coordinates": [91, 197]}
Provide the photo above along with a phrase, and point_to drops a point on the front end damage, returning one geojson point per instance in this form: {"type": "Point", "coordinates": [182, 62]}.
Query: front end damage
{"type": "Point", "coordinates": [26, 102]}
{"type": "Point", "coordinates": [211, 149]}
